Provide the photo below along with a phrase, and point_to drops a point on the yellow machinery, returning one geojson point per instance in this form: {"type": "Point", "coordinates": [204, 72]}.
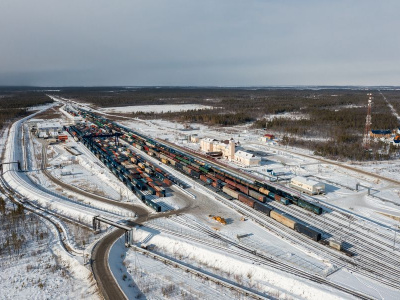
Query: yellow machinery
{"type": "Point", "coordinates": [219, 219]}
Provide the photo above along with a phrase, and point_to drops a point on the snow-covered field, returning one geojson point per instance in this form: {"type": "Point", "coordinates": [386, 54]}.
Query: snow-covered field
{"type": "Point", "coordinates": [155, 108]}
{"type": "Point", "coordinates": [139, 274]}
{"type": "Point", "coordinates": [42, 269]}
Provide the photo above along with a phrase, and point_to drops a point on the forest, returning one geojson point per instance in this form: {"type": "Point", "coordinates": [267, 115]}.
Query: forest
{"type": "Point", "coordinates": [14, 103]}
{"type": "Point", "coordinates": [329, 121]}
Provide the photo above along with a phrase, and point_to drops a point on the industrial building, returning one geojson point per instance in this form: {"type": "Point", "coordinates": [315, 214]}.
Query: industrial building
{"type": "Point", "coordinates": [247, 159]}
{"type": "Point", "coordinates": [227, 148]}
{"type": "Point", "coordinates": [308, 186]}
{"type": "Point", "coordinates": [377, 134]}
{"type": "Point", "coordinates": [46, 129]}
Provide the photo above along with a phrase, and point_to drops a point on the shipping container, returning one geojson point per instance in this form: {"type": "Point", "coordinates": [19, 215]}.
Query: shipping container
{"type": "Point", "coordinates": [277, 198]}
{"type": "Point", "coordinates": [167, 182]}
{"type": "Point", "coordinates": [151, 190]}
{"type": "Point", "coordinates": [283, 219]}
{"type": "Point", "coordinates": [264, 191]}
{"type": "Point", "coordinates": [284, 201]}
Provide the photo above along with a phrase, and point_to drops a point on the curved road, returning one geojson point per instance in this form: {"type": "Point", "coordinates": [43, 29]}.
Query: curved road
{"type": "Point", "coordinates": [108, 287]}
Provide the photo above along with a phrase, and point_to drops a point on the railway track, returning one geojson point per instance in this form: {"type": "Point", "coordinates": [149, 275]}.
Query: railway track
{"type": "Point", "coordinates": [366, 251]}
{"type": "Point", "coordinates": [339, 258]}
{"type": "Point", "coordinates": [136, 209]}
{"type": "Point", "coordinates": [249, 253]}
{"type": "Point", "coordinates": [294, 237]}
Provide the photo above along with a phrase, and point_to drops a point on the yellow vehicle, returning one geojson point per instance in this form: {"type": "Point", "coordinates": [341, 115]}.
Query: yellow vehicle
{"type": "Point", "coordinates": [219, 219]}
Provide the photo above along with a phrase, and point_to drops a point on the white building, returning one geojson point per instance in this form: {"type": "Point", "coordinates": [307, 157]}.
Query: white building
{"type": "Point", "coordinates": [207, 144]}
{"type": "Point", "coordinates": [308, 186]}
{"type": "Point", "coordinates": [49, 127]}
{"type": "Point", "coordinates": [247, 159]}
{"type": "Point", "coordinates": [227, 148]}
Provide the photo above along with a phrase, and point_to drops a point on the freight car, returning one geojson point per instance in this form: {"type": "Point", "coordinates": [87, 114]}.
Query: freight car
{"type": "Point", "coordinates": [306, 230]}
{"type": "Point", "coordinates": [195, 167]}
{"type": "Point", "coordinates": [263, 208]}
{"type": "Point", "coordinates": [309, 206]}
{"type": "Point", "coordinates": [230, 192]}
{"type": "Point", "coordinates": [246, 200]}
{"type": "Point", "coordinates": [153, 205]}
{"type": "Point", "coordinates": [283, 219]}
{"type": "Point", "coordinates": [335, 245]}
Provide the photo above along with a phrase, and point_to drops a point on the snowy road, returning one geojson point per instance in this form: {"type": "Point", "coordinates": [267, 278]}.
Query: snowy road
{"type": "Point", "coordinates": [20, 182]}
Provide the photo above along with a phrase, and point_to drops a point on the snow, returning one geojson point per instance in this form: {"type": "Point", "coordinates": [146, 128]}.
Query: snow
{"type": "Point", "coordinates": [340, 185]}
{"type": "Point", "coordinates": [229, 266]}
{"type": "Point", "coordinates": [44, 270]}
{"type": "Point", "coordinates": [155, 108]}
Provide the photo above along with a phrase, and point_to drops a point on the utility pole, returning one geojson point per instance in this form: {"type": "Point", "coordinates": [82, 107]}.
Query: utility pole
{"type": "Point", "coordinates": [367, 139]}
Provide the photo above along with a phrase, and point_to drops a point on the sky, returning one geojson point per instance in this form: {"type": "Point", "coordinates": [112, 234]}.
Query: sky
{"type": "Point", "coordinates": [199, 43]}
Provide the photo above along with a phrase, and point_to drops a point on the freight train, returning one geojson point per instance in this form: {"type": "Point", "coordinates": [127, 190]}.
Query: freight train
{"type": "Point", "coordinates": [199, 169]}
{"type": "Point", "coordinates": [135, 172]}
{"type": "Point", "coordinates": [280, 217]}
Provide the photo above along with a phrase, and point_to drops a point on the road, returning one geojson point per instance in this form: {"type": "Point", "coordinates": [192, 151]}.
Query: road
{"type": "Point", "coordinates": [108, 287]}
{"type": "Point", "coordinates": [138, 209]}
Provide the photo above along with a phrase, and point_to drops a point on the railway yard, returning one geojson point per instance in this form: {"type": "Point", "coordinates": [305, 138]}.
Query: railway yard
{"type": "Point", "coordinates": [166, 219]}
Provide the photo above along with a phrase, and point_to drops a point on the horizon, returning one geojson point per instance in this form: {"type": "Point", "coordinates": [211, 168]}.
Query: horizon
{"type": "Point", "coordinates": [187, 43]}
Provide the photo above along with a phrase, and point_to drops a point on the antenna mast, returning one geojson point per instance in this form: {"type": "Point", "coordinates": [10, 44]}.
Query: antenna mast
{"type": "Point", "coordinates": [367, 137]}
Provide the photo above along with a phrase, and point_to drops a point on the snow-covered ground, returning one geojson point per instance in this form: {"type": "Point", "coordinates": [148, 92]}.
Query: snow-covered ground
{"type": "Point", "coordinates": [155, 108]}
{"type": "Point", "coordinates": [139, 273]}
{"type": "Point", "coordinates": [42, 269]}
{"type": "Point", "coordinates": [283, 159]}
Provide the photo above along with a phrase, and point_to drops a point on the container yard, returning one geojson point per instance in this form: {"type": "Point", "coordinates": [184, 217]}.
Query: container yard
{"type": "Point", "coordinates": [263, 215]}
{"type": "Point", "coordinates": [143, 178]}
{"type": "Point", "coordinates": [200, 150]}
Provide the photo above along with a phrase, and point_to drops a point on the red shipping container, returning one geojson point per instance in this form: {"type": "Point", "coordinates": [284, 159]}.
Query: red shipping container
{"type": "Point", "coordinates": [277, 198]}
{"type": "Point", "coordinates": [167, 182]}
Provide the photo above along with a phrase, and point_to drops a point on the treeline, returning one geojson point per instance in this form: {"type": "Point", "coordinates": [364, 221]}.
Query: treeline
{"type": "Point", "coordinates": [332, 120]}
{"type": "Point", "coordinates": [347, 150]}
{"type": "Point", "coordinates": [14, 104]}
{"type": "Point", "coordinates": [207, 116]}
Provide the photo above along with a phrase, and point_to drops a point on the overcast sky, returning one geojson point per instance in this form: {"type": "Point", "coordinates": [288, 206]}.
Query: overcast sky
{"type": "Point", "coordinates": [185, 42]}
